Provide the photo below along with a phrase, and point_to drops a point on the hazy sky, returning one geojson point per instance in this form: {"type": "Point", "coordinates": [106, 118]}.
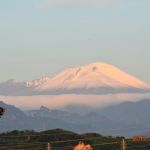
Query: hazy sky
{"type": "Point", "coordinates": [42, 37]}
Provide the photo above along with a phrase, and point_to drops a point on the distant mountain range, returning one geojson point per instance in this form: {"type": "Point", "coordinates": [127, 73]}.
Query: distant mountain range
{"type": "Point", "coordinates": [44, 119]}
{"type": "Point", "coordinates": [96, 78]}
{"type": "Point", "coordinates": [91, 98]}
{"type": "Point", "coordinates": [127, 119]}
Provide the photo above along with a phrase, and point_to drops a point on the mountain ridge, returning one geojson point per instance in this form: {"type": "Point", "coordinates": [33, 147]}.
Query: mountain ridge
{"type": "Point", "coordinates": [94, 75]}
{"type": "Point", "coordinates": [114, 120]}
{"type": "Point", "coordinates": [95, 78]}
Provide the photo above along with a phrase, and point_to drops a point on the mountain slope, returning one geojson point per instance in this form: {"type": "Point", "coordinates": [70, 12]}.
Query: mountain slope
{"type": "Point", "coordinates": [44, 118]}
{"type": "Point", "coordinates": [96, 78]}
{"type": "Point", "coordinates": [93, 76]}
{"type": "Point", "coordinates": [136, 113]}
{"type": "Point", "coordinates": [127, 119]}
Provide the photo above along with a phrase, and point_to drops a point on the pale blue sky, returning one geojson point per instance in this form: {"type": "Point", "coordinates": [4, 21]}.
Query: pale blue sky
{"type": "Point", "coordinates": [42, 37]}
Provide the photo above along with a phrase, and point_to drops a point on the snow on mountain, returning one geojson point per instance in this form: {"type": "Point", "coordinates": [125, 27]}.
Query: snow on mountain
{"type": "Point", "coordinates": [96, 78]}
{"type": "Point", "coordinates": [38, 82]}
{"type": "Point", "coordinates": [93, 76]}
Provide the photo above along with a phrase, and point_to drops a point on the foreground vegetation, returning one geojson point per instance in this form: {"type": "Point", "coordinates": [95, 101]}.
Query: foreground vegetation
{"type": "Point", "coordinates": [64, 140]}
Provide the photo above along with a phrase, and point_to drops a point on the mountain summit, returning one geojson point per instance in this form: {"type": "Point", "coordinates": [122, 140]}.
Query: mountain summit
{"type": "Point", "coordinates": [93, 76]}
{"type": "Point", "coordinates": [96, 78]}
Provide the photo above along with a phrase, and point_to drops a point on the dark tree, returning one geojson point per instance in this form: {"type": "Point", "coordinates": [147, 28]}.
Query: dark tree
{"type": "Point", "coordinates": [2, 110]}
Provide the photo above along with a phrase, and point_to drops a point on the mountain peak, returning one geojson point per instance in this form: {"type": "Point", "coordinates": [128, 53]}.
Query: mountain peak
{"type": "Point", "coordinates": [95, 75]}
{"type": "Point", "coordinates": [11, 81]}
{"type": "Point", "coordinates": [43, 108]}
{"type": "Point", "coordinates": [94, 78]}
{"type": "Point", "coordinates": [100, 67]}
{"type": "Point", "coordinates": [99, 64]}
{"type": "Point", "coordinates": [37, 82]}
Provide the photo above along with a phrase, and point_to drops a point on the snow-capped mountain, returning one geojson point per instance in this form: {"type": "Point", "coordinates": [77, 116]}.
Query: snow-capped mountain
{"type": "Point", "coordinates": [93, 76]}
{"type": "Point", "coordinates": [96, 78]}
{"type": "Point", "coordinates": [37, 82]}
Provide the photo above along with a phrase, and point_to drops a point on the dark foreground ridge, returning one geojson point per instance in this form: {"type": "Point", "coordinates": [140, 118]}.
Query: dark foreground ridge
{"type": "Point", "coordinates": [59, 139]}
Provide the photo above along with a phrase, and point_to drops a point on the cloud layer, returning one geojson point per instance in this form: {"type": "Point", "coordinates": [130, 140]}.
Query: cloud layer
{"type": "Point", "coordinates": [51, 101]}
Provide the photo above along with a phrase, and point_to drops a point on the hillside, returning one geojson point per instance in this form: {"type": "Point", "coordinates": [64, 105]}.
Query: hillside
{"type": "Point", "coordinates": [61, 140]}
{"type": "Point", "coordinates": [126, 119]}
{"type": "Point", "coordinates": [44, 118]}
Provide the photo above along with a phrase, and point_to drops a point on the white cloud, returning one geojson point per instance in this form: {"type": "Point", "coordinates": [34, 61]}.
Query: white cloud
{"type": "Point", "coordinates": [56, 101]}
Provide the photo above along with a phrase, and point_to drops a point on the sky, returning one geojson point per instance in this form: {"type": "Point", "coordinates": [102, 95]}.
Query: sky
{"type": "Point", "coordinates": [43, 37]}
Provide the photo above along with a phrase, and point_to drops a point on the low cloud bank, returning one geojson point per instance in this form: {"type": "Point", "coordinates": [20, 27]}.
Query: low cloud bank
{"type": "Point", "coordinates": [50, 101]}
